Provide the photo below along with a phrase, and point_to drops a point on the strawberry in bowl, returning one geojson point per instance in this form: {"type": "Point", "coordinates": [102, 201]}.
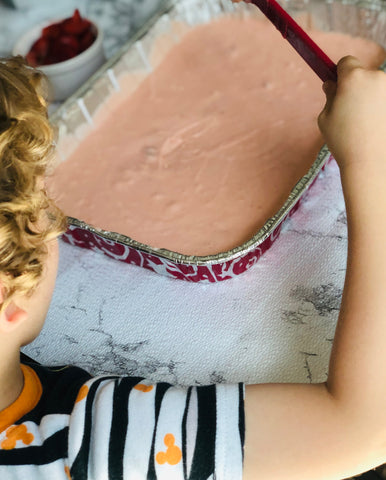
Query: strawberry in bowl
{"type": "Point", "coordinates": [68, 51]}
{"type": "Point", "coordinates": [61, 41]}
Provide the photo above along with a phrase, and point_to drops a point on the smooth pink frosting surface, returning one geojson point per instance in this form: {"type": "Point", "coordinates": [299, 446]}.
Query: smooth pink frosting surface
{"type": "Point", "coordinates": [211, 143]}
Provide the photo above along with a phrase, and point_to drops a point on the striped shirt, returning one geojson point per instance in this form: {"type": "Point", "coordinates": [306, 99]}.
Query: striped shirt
{"type": "Point", "coordinates": [68, 425]}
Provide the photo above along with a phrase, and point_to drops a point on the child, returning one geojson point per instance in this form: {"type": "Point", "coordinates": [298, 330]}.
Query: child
{"type": "Point", "coordinates": [59, 423]}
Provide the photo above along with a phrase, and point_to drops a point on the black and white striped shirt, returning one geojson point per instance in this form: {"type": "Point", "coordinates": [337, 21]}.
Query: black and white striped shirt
{"type": "Point", "coordinates": [73, 426]}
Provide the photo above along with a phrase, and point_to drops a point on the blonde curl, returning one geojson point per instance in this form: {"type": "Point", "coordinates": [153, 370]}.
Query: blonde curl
{"type": "Point", "coordinates": [28, 217]}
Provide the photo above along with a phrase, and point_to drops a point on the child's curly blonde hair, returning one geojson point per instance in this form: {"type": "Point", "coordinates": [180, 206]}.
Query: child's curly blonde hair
{"type": "Point", "coordinates": [28, 218]}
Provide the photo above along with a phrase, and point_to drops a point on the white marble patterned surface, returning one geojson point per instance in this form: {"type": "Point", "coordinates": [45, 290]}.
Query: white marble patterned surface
{"type": "Point", "coordinates": [273, 323]}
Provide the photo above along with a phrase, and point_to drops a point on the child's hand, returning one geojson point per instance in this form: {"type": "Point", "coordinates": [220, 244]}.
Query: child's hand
{"type": "Point", "coordinates": [353, 121]}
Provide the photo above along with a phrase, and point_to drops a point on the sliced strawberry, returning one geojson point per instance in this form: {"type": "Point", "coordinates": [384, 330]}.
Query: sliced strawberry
{"type": "Point", "coordinates": [61, 52]}
{"type": "Point", "coordinates": [49, 60]}
{"type": "Point", "coordinates": [76, 17]}
{"type": "Point", "coordinates": [39, 49]}
{"type": "Point", "coordinates": [70, 41]}
{"type": "Point", "coordinates": [86, 40]}
{"type": "Point", "coordinates": [52, 31]}
{"type": "Point", "coordinates": [75, 28]}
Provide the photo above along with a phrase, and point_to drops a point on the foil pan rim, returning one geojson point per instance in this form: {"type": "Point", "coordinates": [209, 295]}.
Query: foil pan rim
{"type": "Point", "coordinates": [264, 232]}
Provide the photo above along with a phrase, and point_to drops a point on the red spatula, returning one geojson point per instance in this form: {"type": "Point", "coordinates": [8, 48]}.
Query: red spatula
{"type": "Point", "coordinates": [320, 63]}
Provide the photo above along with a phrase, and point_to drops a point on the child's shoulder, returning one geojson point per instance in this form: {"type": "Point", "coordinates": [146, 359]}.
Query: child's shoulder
{"type": "Point", "coordinates": [60, 387]}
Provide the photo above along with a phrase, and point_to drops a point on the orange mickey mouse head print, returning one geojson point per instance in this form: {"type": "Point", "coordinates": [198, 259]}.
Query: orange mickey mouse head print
{"type": "Point", "coordinates": [144, 388]}
{"type": "Point", "coordinates": [15, 433]}
{"type": "Point", "coordinates": [173, 454]}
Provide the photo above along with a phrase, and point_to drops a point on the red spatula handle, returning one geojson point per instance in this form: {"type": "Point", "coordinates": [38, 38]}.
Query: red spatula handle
{"type": "Point", "coordinates": [320, 63]}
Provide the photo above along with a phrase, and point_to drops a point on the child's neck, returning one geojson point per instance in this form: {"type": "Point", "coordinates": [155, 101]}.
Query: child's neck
{"type": "Point", "coordinates": [11, 380]}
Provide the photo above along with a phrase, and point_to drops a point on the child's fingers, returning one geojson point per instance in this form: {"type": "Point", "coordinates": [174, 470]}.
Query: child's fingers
{"type": "Point", "coordinates": [346, 65]}
{"type": "Point", "coordinates": [329, 88]}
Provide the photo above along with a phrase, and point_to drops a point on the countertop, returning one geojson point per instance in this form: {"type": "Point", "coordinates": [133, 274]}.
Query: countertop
{"type": "Point", "coordinates": [118, 18]}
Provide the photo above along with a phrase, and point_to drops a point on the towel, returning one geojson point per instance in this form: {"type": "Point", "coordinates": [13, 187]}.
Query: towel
{"type": "Point", "coordinates": [274, 323]}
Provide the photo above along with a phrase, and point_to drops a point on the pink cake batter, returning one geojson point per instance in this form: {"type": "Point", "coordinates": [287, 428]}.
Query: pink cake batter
{"type": "Point", "coordinates": [211, 143]}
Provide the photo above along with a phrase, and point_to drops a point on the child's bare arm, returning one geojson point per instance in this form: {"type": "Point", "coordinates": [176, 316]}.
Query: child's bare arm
{"type": "Point", "coordinates": [358, 362]}
{"type": "Point", "coordinates": [338, 429]}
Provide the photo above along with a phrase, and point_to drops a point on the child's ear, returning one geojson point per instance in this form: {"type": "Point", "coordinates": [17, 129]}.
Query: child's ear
{"type": "Point", "coordinates": [12, 317]}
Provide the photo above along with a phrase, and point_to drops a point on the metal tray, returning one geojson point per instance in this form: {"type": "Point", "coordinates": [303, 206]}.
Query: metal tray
{"type": "Point", "coordinates": [74, 118]}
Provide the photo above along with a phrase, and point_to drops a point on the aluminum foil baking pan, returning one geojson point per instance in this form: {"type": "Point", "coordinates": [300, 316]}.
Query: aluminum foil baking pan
{"type": "Point", "coordinates": [360, 18]}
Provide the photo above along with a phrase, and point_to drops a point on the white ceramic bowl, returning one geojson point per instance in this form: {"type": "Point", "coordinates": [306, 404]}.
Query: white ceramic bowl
{"type": "Point", "coordinates": [65, 77]}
